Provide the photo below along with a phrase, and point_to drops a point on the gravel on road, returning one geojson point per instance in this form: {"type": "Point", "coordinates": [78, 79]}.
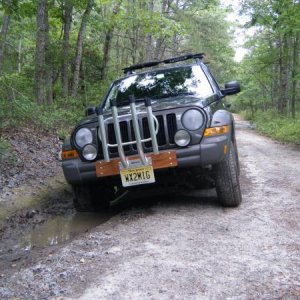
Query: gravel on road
{"type": "Point", "coordinates": [186, 246]}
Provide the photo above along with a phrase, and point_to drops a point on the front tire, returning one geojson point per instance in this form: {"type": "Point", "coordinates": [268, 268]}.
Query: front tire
{"type": "Point", "coordinates": [227, 180]}
{"type": "Point", "coordinates": [91, 197]}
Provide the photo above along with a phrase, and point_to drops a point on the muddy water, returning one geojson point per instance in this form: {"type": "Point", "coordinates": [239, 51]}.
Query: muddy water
{"type": "Point", "coordinates": [60, 229]}
{"type": "Point", "coordinates": [53, 231]}
{"type": "Point", "coordinates": [39, 229]}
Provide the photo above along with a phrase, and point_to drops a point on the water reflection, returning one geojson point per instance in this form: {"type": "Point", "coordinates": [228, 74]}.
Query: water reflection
{"type": "Point", "coordinates": [158, 84]}
{"type": "Point", "coordinates": [61, 229]}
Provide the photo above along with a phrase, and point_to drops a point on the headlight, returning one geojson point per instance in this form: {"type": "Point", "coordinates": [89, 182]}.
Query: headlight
{"type": "Point", "coordinates": [192, 119]}
{"type": "Point", "coordinates": [89, 152]}
{"type": "Point", "coordinates": [182, 138]}
{"type": "Point", "coordinates": [83, 137]}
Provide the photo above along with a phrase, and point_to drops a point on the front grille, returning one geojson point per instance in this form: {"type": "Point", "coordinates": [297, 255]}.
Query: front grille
{"type": "Point", "coordinates": [125, 135]}
{"type": "Point", "coordinates": [172, 127]}
{"type": "Point", "coordinates": [165, 136]}
{"type": "Point", "coordinates": [111, 138]}
{"type": "Point", "coordinates": [161, 136]}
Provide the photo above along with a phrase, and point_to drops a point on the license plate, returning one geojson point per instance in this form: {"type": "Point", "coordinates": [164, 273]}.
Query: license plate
{"type": "Point", "coordinates": [136, 173]}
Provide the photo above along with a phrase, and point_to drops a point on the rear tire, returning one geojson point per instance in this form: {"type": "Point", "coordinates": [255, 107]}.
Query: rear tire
{"type": "Point", "coordinates": [227, 180]}
{"type": "Point", "coordinates": [92, 197]}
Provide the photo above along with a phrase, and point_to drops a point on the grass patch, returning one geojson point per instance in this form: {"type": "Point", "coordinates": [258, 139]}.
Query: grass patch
{"type": "Point", "coordinates": [284, 129]}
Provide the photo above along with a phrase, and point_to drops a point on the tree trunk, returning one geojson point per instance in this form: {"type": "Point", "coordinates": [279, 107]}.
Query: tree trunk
{"type": "Point", "coordinates": [40, 55]}
{"type": "Point", "coordinates": [157, 48]}
{"type": "Point", "coordinates": [68, 9]}
{"type": "Point", "coordinates": [106, 48]}
{"type": "Point", "coordinates": [3, 34]}
{"type": "Point", "coordinates": [118, 54]}
{"type": "Point", "coordinates": [283, 76]}
{"type": "Point", "coordinates": [149, 48]}
{"type": "Point", "coordinates": [274, 83]}
{"type": "Point", "coordinates": [294, 74]}
{"type": "Point", "coordinates": [20, 56]}
{"type": "Point", "coordinates": [159, 41]}
{"type": "Point", "coordinates": [107, 41]}
{"type": "Point", "coordinates": [79, 47]}
{"type": "Point", "coordinates": [48, 63]}
{"type": "Point", "coordinates": [149, 36]}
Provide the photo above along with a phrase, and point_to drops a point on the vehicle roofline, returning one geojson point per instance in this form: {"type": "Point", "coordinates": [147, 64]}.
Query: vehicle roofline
{"type": "Point", "coordinates": [161, 68]}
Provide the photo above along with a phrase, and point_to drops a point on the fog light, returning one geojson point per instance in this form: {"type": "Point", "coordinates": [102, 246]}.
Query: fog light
{"type": "Point", "coordinates": [89, 152]}
{"type": "Point", "coordinates": [182, 138]}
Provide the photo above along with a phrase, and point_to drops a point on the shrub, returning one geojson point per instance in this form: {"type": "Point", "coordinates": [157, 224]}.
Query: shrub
{"type": "Point", "coordinates": [282, 128]}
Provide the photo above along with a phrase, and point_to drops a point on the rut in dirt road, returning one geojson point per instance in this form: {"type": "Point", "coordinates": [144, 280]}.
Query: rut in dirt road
{"type": "Point", "coordinates": [176, 246]}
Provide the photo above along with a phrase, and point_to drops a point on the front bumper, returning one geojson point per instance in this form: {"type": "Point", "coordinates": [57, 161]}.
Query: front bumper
{"type": "Point", "coordinates": [209, 152]}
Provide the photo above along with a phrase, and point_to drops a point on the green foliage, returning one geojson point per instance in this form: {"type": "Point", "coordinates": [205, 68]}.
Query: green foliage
{"type": "Point", "coordinates": [16, 108]}
{"type": "Point", "coordinates": [190, 27]}
{"type": "Point", "coordinates": [21, 111]}
{"type": "Point", "coordinates": [281, 128]}
{"type": "Point", "coordinates": [207, 30]}
{"type": "Point", "coordinates": [270, 72]}
{"type": "Point", "coordinates": [55, 117]}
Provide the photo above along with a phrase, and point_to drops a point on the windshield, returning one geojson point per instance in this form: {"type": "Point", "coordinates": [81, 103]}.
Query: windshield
{"type": "Point", "coordinates": [161, 84]}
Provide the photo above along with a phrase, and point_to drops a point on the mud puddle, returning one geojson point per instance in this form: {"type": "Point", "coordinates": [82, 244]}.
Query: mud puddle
{"type": "Point", "coordinates": [61, 229]}
{"type": "Point", "coordinates": [21, 248]}
{"type": "Point", "coordinates": [37, 231]}
{"type": "Point", "coordinates": [41, 231]}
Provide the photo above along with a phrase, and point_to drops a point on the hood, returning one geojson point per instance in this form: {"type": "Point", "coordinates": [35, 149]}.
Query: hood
{"type": "Point", "coordinates": [157, 105]}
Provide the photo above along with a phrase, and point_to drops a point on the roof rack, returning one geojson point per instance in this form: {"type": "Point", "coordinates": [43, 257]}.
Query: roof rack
{"type": "Point", "coordinates": [129, 70]}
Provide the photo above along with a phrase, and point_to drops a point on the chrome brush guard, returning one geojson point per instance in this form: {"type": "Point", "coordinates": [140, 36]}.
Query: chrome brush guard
{"type": "Point", "coordinates": [153, 128]}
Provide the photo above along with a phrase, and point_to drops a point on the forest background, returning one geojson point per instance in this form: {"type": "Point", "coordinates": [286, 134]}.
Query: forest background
{"type": "Point", "coordinates": [59, 56]}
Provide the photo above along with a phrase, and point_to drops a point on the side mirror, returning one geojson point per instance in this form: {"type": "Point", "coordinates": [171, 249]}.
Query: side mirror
{"type": "Point", "coordinates": [90, 110]}
{"type": "Point", "coordinates": [231, 88]}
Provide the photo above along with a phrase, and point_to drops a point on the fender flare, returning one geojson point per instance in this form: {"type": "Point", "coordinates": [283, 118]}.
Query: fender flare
{"type": "Point", "coordinates": [222, 117]}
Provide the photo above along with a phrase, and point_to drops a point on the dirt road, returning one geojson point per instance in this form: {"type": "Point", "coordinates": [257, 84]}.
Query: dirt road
{"type": "Point", "coordinates": [178, 246]}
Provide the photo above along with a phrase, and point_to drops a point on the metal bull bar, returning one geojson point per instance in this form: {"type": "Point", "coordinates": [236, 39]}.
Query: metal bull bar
{"type": "Point", "coordinates": [153, 128]}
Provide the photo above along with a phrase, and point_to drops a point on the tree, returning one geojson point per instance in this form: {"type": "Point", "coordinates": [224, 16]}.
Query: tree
{"type": "Point", "coordinates": [80, 40]}
{"type": "Point", "coordinates": [50, 59]}
{"type": "Point", "coordinates": [3, 34]}
{"type": "Point", "coordinates": [67, 21]}
{"type": "Point", "coordinates": [275, 51]}
{"type": "Point", "coordinates": [40, 53]}
{"type": "Point", "coordinates": [107, 41]}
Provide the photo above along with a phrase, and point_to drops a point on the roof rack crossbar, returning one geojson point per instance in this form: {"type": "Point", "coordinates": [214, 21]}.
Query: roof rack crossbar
{"type": "Point", "coordinates": [166, 61]}
{"type": "Point", "coordinates": [141, 66]}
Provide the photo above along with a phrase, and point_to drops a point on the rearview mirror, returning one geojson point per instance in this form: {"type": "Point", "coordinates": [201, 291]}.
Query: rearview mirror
{"type": "Point", "coordinates": [231, 88]}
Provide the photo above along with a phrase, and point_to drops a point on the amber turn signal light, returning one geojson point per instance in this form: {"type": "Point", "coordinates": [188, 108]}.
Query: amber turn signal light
{"type": "Point", "coordinates": [69, 154]}
{"type": "Point", "coordinates": [213, 131]}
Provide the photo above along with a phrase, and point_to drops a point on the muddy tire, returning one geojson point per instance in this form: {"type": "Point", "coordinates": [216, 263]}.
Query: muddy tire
{"type": "Point", "coordinates": [91, 198]}
{"type": "Point", "coordinates": [227, 180]}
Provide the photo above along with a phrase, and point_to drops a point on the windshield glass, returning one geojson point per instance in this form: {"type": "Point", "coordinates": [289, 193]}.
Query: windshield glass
{"type": "Point", "coordinates": [161, 84]}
